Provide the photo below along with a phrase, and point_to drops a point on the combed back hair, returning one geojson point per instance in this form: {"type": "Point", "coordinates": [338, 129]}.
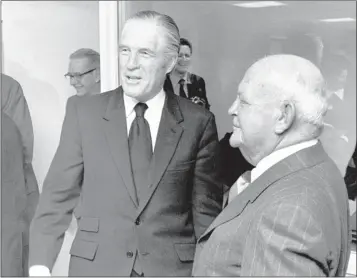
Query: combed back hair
{"type": "Point", "coordinates": [92, 56]}
{"type": "Point", "coordinates": [291, 78]}
{"type": "Point", "coordinates": [186, 42]}
{"type": "Point", "coordinates": [172, 33]}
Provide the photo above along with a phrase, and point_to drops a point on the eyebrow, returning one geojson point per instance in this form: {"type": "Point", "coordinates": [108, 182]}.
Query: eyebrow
{"type": "Point", "coordinates": [122, 46]}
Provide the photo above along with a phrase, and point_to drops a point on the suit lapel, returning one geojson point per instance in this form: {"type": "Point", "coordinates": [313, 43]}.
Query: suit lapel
{"type": "Point", "coordinates": [302, 159]}
{"type": "Point", "coordinates": [168, 85]}
{"type": "Point", "coordinates": [168, 136]}
{"type": "Point", "coordinates": [116, 134]}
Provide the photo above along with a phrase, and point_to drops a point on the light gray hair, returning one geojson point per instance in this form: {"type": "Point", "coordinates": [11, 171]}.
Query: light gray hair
{"type": "Point", "coordinates": [92, 56]}
{"type": "Point", "coordinates": [172, 33]}
{"type": "Point", "coordinates": [291, 78]}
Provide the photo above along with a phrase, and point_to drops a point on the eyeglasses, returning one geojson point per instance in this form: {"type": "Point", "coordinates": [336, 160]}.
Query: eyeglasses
{"type": "Point", "coordinates": [77, 75]}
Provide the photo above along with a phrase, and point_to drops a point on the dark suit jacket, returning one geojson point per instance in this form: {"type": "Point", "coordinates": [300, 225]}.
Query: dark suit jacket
{"type": "Point", "coordinates": [196, 87]}
{"type": "Point", "coordinates": [232, 163]}
{"type": "Point", "coordinates": [292, 220]}
{"type": "Point", "coordinates": [14, 105]}
{"type": "Point", "coordinates": [92, 163]}
{"type": "Point", "coordinates": [14, 225]}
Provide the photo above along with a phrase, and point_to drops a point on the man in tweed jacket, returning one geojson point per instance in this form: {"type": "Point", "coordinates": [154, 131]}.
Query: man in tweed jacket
{"type": "Point", "coordinates": [291, 218]}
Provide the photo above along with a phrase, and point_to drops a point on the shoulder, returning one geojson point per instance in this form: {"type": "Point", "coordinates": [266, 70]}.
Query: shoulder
{"type": "Point", "coordinates": [195, 78]}
{"type": "Point", "coordinates": [93, 101]}
{"type": "Point", "coordinates": [8, 80]}
{"type": "Point", "coordinates": [306, 191]}
{"type": "Point", "coordinates": [193, 111]}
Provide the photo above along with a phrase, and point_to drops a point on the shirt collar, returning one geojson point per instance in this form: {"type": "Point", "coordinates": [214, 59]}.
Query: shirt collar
{"type": "Point", "coordinates": [175, 78]}
{"type": "Point", "coordinates": [277, 156]}
{"type": "Point", "coordinates": [130, 102]}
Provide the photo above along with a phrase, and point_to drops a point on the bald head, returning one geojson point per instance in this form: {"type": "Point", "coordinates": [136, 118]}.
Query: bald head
{"type": "Point", "coordinates": [281, 102]}
{"type": "Point", "coordinates": [280, 78]}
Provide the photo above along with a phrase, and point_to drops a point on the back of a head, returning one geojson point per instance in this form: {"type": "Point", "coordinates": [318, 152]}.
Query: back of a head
{"type": "Point", "coordinates": [92, 56]}
{"type": "Point", "coordinates": [285, 77]}
{"type": "Point", "coordinates": [170, 28]}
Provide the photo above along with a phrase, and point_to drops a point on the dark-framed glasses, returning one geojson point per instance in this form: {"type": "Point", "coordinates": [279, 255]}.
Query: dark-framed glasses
{"type": "Point", "coordinates": [77, 75]}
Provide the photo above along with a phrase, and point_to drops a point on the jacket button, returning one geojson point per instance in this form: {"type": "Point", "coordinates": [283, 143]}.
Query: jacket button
{"type": "Point", "coordinates": [129, 254]}
{"type": "Point", "coordinates": [137, 222]}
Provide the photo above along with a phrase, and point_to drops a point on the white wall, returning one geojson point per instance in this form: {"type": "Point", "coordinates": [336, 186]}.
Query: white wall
{"type": "Point", "coordinates": [38, 37]}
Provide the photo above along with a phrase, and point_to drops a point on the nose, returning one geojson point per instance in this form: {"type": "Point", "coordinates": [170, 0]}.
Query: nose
{"type": "Point", "coordinates": [73, 81]}
{"type": "Point", "coordinates": [132, 61]}
{"type": "Point", "coordinates": [232, 110]}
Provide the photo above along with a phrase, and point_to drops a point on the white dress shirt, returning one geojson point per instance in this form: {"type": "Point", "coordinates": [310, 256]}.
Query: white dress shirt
{"type": "Point", "coordinates": [153, 116]}
{"type": "Point", "coordinates": [176, 85]}
{"type": "Point", "coordinates": [265, 164]}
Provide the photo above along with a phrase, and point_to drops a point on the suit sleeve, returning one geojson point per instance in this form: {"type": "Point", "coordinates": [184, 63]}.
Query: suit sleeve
{"type": "Point", "coordinates": [16, 108]}
{"type": "Point", "coordinates": [32, 192]}
{"type": "Point", "coordinates": [60, 194]}
{"type": "Point", "coordinates": [285, 240]}
{"type": "Point", "coordinates": [207, 189]}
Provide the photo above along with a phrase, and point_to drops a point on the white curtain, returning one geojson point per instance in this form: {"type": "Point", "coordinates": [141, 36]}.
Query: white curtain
{"type": "Point", "coordinates": [109, 25]}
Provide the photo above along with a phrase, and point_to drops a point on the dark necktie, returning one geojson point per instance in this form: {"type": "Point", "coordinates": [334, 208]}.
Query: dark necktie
{"type": "Point", "coordinates": [182, 91]}
{"type": "Point", "coordinates": [140, 148]}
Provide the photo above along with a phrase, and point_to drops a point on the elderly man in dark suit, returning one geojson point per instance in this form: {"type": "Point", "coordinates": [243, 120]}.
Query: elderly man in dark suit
{"type": "Point", "coordinates": [288, 216]}
{"type": "Point", "coordinates": [14, 106]}
{"type": "Point", "coordinates": [142, 162]}
{"type": "Point", "coordinates": [184, 83]}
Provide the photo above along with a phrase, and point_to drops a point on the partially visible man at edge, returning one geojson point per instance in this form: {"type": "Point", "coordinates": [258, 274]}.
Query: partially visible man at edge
{"type": "Point", "coordinates": [14, 105]}
{"type": "Point", "coordinates": [289, 216]}
{"type": "Point", "coordinates": [84, 71]}
{"type": "Point", "coordinates": [142, 162]}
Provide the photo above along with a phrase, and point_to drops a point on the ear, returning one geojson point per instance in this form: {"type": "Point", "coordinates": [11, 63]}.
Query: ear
{"type": "Point", "coordinates": [171, 62]}
{"type": "Point", "coordinates": [285, 117]}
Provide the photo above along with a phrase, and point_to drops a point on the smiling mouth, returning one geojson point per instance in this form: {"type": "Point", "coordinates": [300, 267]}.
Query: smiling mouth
{"type": "Point", "coordinates": [133, 79]}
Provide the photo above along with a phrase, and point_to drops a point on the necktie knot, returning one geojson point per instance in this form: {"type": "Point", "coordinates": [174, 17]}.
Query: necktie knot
{"type": "Point", "coordinates": [182, 81]}
{"type": "Point", "coordinates": [140, 109]}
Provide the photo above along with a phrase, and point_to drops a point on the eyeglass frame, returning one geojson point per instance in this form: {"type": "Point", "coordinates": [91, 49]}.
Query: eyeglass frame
{"type": "Point", "coordinates": [78, 75]}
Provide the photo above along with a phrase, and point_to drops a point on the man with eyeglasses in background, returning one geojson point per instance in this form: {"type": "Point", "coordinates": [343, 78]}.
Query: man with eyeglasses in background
{"type": "Point", "coordinates": [184, 83]}
{"type": "Point", "coordinates": [84, 71]}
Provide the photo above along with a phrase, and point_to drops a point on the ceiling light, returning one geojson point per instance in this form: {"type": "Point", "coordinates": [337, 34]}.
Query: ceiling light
{"type": "Point", "coordinates": [260, 4]}
{"type": "Point", "coordinates": [344, 19]}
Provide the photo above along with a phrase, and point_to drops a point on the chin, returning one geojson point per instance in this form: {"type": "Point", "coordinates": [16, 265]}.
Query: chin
{"type": "Point", "coordinates": [236, 139]}
{"type": "Point", "coordinates": [132, 91]}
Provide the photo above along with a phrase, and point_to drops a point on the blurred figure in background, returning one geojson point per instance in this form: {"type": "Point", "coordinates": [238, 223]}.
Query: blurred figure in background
{"type": "Point", "coordinates": [338, 137]}
{"type": "Point", "coordinates": [84, 71]}
{"type": "Point", "coordinates": [18, 177]}
{"type": "Point", "coordinates": [182, 82]}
